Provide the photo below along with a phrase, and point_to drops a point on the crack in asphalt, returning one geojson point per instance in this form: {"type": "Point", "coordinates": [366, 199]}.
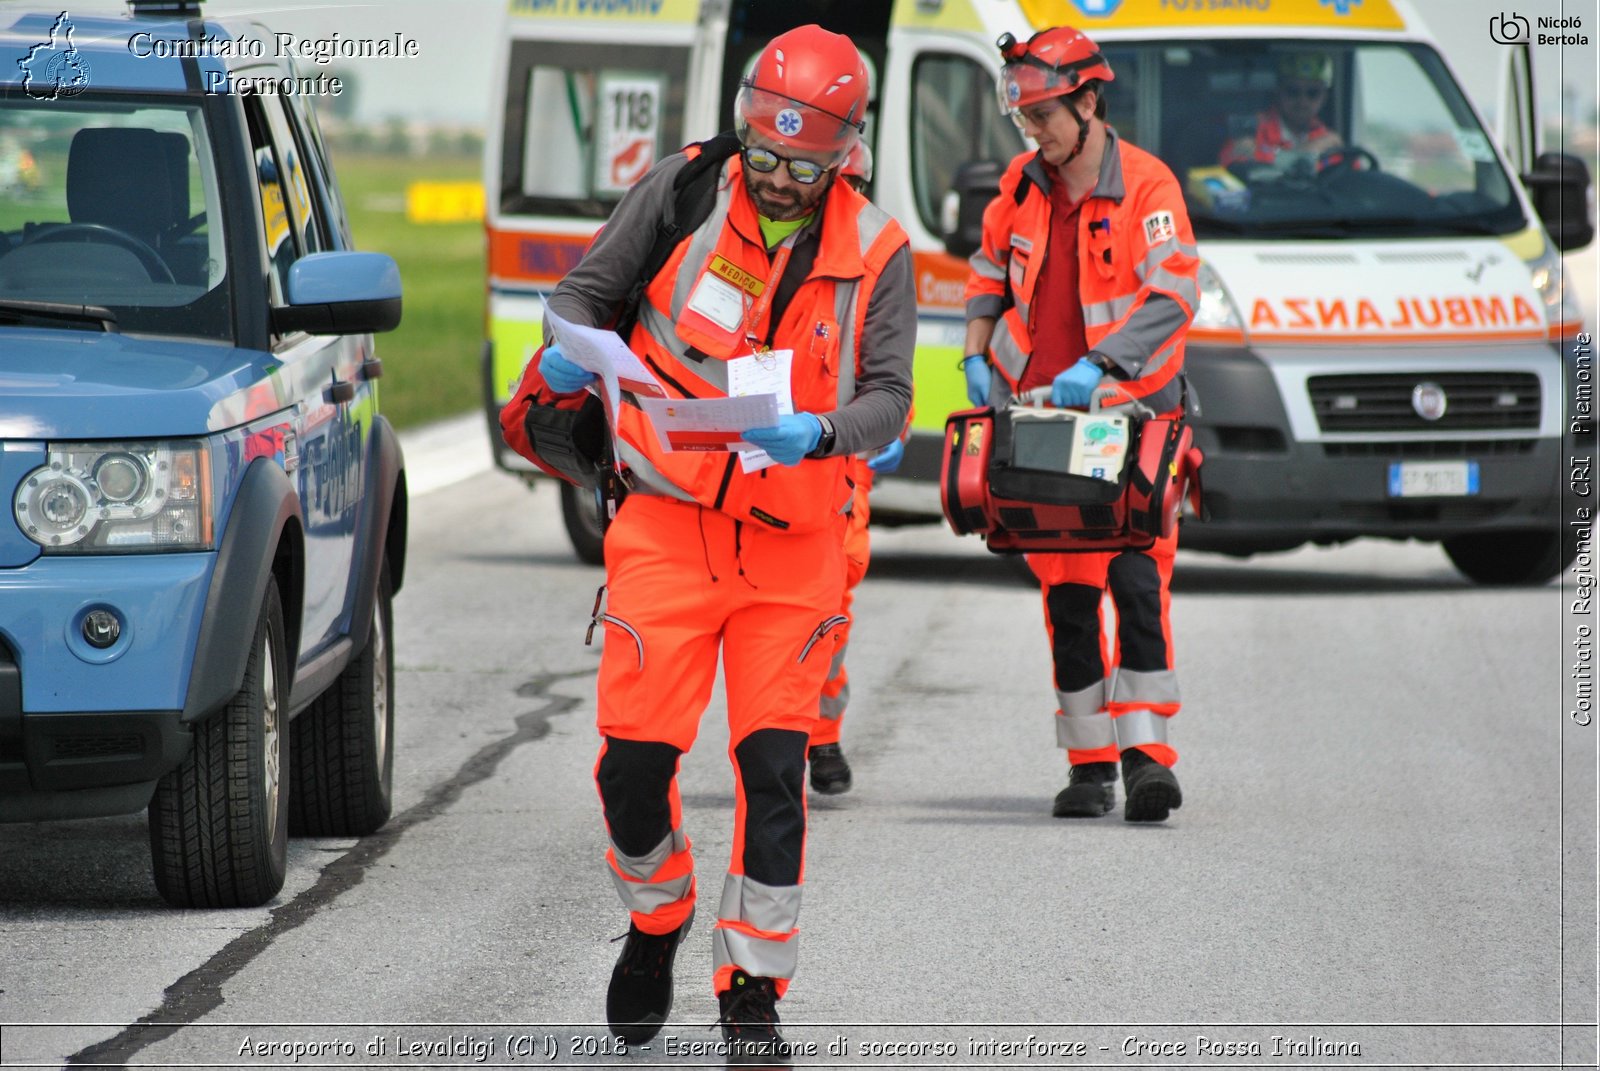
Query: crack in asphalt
{"type": "Point", "coordinates": [200, 991]}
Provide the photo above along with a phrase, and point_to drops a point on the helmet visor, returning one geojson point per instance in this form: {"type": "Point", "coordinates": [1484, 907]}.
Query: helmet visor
{"type": "Point", "coordinates": [1026, 82]}
{"type": "Point", "coordinates": [792, 127]}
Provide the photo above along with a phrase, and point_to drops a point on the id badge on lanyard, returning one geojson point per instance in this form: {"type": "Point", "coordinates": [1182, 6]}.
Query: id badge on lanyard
{"type": "Point", "coordinates": [728, 303]}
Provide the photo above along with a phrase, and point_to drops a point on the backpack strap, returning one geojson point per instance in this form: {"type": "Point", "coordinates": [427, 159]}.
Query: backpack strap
{"type": "Point", "coordinates": [694, 191]}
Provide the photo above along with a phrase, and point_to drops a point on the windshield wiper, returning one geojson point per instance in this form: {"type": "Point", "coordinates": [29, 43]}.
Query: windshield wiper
{"type": "Point", "coordinates": [1316, 227]}
{"type": "Point", "coordinates": [1340, 226]}
{"type": "Point", "coordinates": [1232, 226]}
{"type": "Point", "coordinates": [14, 311]}
{"type": "Point", "coordinates": [1465, 225]}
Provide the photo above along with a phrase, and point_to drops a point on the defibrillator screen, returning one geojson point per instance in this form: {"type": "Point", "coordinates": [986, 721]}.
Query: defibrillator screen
{"type": "Point", "coordinates": [1042, 445]}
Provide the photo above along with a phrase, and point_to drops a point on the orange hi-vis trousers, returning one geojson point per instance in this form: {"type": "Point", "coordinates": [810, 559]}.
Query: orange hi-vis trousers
{"type": "Point", "coordinates": [1096, 722]}
{"type": "Point", "coordinates": [684, 583]}
{"type": "Point", "coordinates": [857, 553]}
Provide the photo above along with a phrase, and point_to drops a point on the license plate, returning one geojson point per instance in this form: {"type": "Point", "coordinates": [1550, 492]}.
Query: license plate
{"type": "Point", "coordinates": [1433, 479]}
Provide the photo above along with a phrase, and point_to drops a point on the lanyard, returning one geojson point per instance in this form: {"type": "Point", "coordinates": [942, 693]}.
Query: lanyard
{"type": "Point", "coordinates": [757, 309]}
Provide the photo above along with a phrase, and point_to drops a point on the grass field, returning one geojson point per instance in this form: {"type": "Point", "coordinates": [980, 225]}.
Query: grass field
{"type": "Point", "coordinates": [430, 362]}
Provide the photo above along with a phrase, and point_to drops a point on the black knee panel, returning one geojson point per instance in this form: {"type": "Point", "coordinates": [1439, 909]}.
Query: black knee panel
{"type": "Point", "coordinates": [1075, 635]}
{"type": "Point", "coordinates": [635, 777]}
{"type": "Point", "coordinates": [772, 769]}
{"type": "Point", "coordinates": [1135, 584]}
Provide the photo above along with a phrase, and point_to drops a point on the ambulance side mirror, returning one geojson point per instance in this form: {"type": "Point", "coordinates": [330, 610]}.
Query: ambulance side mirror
{"type": "Point", "coordinates": [1560, 188]}
{"type": "Point", "coordinates": [975, 184]}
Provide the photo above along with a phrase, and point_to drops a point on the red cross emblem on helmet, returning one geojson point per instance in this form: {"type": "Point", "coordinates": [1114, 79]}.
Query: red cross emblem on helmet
{"type": "Point", "coordinates": [1050, 64]}
{"type": "Point", "coordinates": [806, 95]}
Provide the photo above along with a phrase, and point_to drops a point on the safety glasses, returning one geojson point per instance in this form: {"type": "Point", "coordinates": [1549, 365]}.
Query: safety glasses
{"type": "Point", "coordinates": [1304, 91]}
{"type": "Point", "coordinates": [1037, 114]}
{"type": "Point", "coordinates": [766, 161]}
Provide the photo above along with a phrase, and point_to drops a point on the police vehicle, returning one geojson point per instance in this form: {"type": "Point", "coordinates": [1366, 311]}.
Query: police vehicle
{"type": "Point", "coordinates": [204, 512]}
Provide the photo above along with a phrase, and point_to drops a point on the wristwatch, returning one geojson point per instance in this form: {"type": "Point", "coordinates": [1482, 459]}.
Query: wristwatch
{"type": "Point", "coordinates": [1106, 364]}
{"type": "Point", "coordinates": [827, 439]}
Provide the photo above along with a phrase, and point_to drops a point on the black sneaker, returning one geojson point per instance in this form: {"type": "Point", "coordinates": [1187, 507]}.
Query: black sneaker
{"type": "Point", "coordinates": [830, 773]}
{"type": "Point", "coordinates": [1091, 791]}
{"type": "Point", "coordinates": [640, 994]}
{"type": "Point", "coordinates": [1152, 789]}
{"type": "Point", "coordinates": [749, 1021]}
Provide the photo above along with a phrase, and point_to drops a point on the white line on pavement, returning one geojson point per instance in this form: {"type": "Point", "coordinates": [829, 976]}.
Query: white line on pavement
{"type": "Point", "coordinates": [449, 451]}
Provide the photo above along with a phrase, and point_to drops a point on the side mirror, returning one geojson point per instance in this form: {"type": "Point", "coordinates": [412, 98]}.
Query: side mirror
{"type": "Point", "coordinates": [975, 184]}
{"type": "Point", "coordinates": [342, 293]}
{"type": "Point", "coordinates": [1560, 187]}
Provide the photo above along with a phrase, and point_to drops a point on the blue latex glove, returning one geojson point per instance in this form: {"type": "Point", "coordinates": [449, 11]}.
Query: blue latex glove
{"type": "Point", "coordinates": [795, 436]}
{"type": "Point", "coordinates": [888, 459]}
{"type": "Point", "coordinates": [1076, 385]}
{"type": "Point", "coordinates": [978, 376]}
{"type": "Point", "coordinates": [562, 375]}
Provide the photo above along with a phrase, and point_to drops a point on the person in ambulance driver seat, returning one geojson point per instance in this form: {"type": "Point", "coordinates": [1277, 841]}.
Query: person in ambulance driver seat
{"type": "Point", "coordinates": [1291, 125]}
{"type": "Point", "coordinates": [830, 770]}
{"type": "Point", "coordinates": [703, 554]}
{"type": "Point", "coordinates": [1086, 279]}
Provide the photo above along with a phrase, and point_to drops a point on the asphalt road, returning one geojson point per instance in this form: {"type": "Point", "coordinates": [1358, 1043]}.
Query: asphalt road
{"type": "Point", "coordinates": [1386, 856]}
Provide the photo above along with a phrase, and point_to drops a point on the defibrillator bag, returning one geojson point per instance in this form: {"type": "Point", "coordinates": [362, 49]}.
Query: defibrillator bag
{"type": "Point", "coordinates": [1063, 480]}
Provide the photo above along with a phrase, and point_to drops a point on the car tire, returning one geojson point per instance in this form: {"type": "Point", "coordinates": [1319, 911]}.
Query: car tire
{"type": "Point", "coordinates": [1513, 558]}
{"type": "Point", "coordinates": [341, 748]}
{"type": "Point", "coordinates": [219, 822]}
{"type": "Point", "coordinates": [580, 510]}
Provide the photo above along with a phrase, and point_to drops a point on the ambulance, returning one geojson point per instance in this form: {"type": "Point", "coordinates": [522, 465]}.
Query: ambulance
{"type": "Point", "coordinates": [1383, 339]}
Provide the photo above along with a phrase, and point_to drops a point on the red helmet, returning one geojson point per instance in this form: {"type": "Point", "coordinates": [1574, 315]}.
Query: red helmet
{"type": "Point", "coordinates": [1054, 62]}
{"type": "Point", "coordinates": [807, 94]}
{"type": "Point", "coordinates": [858, 165]}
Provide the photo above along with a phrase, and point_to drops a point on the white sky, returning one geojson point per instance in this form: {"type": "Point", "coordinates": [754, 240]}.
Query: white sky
{"type": "Point", "coordinates": [450, 78]}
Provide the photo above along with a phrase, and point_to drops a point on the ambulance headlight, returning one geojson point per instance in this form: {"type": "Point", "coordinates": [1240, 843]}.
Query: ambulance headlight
{"type": "Point", "coordinates": [116, 498]}
{"type": "Point", "coordinates": [1217, 310]}
{"type": "Point", "coordinates": [1549, 277]}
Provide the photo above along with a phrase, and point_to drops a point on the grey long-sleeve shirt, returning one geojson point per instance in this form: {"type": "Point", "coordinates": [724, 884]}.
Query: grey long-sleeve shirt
{"type": "Point", "coordinates": [590, 293]}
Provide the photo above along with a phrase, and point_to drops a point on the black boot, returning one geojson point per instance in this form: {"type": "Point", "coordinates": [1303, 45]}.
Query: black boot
{"type": "Point", "coordinates": [640, 995]}
{"type": "Point", "coordinates": [749, 1021]}
{"type": "Point", "coordinates": [1091, 791]}
{"type": "Point", "coordinates": [830, 773]}
{"type": "Point", "coordinates": [1151, 789]}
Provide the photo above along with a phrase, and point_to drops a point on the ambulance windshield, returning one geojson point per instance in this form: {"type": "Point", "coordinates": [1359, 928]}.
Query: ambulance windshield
{"type": "Point", "coordinates": [1313, 139]}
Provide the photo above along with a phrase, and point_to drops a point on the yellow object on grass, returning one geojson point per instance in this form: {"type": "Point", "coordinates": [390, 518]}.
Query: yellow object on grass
{"type": "Point", "coordinates": [444, 202]}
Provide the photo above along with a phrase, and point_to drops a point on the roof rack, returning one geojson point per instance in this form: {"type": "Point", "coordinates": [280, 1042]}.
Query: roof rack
{"type": "Point", "coordinates": [165, 7]}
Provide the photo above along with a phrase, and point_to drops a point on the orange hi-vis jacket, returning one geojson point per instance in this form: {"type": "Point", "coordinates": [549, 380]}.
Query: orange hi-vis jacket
{"type": "Point", "coordinates": [1272, 137]}
{"type": "Point", "coordinates": [1137, 271]}
{"type": "Point", "coordinates": [689, 353]}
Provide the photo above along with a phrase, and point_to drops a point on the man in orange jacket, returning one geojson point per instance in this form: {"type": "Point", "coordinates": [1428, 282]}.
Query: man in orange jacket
{"type": "Point", "coordinates": [1293, 123]}
{"type": "Point", "coordinates": [1087, 280]}
{"type": "Point", "coordinates": [706, 552]}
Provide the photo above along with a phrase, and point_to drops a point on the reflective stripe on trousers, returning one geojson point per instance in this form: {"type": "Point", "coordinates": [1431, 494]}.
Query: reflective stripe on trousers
{"type": "Point", "coordinates": [657, 888]}
{"type": "Point", "coordinates": [1096, 720]}
{"type": "Point", "coordinates": [1082, 723]}
{"type": "Point", "coordinates": [756, 931]}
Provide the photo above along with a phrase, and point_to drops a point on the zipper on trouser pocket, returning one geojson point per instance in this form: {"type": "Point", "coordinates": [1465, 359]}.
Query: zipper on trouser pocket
{"type": "Point", "coordinates": [821, 630]}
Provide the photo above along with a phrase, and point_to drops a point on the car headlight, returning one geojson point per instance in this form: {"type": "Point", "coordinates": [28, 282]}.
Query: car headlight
{"type": "Point", "coordinates": [1549, 276]}
{"type": "Point", "coordinates": [110, 498]}
{"type": "Point", "coordinates": [1217, 311]}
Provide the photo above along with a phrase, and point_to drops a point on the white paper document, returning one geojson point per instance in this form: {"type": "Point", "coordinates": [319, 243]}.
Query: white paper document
{"type": "Point", "coordinates": [761, 373]}
{"type": "Point", "coordinates": [709, 423]}
{"type": "Point", "coordinates": [604, 353]}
